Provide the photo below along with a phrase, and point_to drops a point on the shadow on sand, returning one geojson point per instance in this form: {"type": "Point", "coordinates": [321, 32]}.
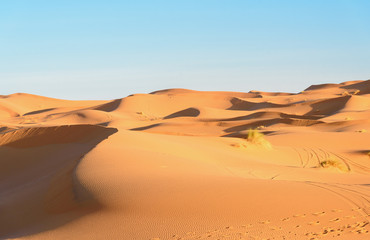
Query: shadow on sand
{"type": "Point", "coordinates": [39, 188]}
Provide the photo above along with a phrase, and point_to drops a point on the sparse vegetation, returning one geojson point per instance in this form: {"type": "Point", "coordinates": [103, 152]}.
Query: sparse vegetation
{"type": "Point", "coordinates": [362, 131]}
{"type": "Point", "coordinates": [350, 92]}
{"type": "Point", "coordinates": [334, 163]}
{"type": "Point", "coordinates": [255, 137]}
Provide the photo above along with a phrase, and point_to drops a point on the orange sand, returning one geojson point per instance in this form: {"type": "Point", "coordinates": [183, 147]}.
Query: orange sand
{"type": "Point", "coordinates": [176, 164]}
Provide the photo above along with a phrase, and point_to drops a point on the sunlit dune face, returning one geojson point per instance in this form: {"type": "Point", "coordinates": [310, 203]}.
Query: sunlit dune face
{"type": "Point", "coordinates": [184, 164]}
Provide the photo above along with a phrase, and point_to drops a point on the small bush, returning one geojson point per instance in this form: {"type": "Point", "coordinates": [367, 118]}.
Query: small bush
{"type": "Point", "coordinates": [255, 137]}
{"type": "Point", "coordinates": [334, 163]}
{"type": "Point", "coordinates": [350, 92]}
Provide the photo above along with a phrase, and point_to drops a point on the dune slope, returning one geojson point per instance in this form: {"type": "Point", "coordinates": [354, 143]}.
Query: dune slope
{"type": "Point", "coordinates": [184, 164]}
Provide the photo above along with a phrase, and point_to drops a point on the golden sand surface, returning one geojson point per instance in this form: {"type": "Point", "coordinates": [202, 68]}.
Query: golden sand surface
{"type": "Point", "coordinates": [184, 164]}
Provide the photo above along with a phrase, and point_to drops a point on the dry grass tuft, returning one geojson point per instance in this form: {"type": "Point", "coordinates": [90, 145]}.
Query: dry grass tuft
{"type": "Point", "coordinates": [334, 163]}
{"type": "Point", "coordinates": [362, 131]}
{"type": "Point", "coordinates": [257, 138]}
{"type": "Point", "coordinates": [350, 92]}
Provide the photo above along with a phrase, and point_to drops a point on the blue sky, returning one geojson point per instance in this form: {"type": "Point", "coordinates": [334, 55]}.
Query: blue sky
{"type": "Point", "coordinates": [109, 49]}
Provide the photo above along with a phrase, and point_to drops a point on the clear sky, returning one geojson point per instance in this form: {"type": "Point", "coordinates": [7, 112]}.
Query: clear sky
{"type": "Point", "coordinates": [87, 49]}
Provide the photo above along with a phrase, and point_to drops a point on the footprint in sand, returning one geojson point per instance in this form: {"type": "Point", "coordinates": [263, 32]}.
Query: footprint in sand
{"type": "Point", "coordinates": [337, 210]}
{"type": "Point", "coordinates": [314, 223]}
{"type": "Point", "coordinates": [247, 226]}
{"type": "Point", "coordinates": [264, 222]}
{"type": "Point", "coordinates": [360, 224]}
{"type": "Point", "coordinates": [326, 231]}
{"type": "Point", "coordinates": [365, 223]}
{"type": "Point", "coordinates": [318, 213]}
{"type": "Point", "coordinates": [276, 228]}
{"type": "Point", "coordinates": [335, 220]}
{"type": "Point", "coordinates": [356, 209]}
{"type": "Point", "coordinates": [285, 219]}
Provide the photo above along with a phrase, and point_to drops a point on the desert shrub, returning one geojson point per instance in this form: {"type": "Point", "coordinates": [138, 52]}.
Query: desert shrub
{"type": "Point", "coordinates": [350, 92]}
{"type": "Point", "coordinates": [362, 131]}
{"type": "Point", "coordinates": [334, 163]}
{"type": "Point", "coordinates": [255, 137]}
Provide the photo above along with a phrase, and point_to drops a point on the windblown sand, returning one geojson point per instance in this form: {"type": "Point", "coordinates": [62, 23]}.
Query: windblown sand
{"type": "Point", "coordinates": [177, 164]}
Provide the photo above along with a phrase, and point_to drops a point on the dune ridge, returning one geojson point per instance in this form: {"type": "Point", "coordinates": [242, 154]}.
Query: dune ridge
{"type": "Point", "coordinates": [178, 164]}
{"type": "Point", "coordinates": [37, 176]}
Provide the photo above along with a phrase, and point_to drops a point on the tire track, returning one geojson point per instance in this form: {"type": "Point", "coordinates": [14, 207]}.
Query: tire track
{"type": "Point", "coordinates": [347, 160]}
{"type": "Point", "coordinates": [364, 207]}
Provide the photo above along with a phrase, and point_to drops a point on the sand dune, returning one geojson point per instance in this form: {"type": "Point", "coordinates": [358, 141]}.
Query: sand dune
{"type": "Point", "coordinates": [184, 164]}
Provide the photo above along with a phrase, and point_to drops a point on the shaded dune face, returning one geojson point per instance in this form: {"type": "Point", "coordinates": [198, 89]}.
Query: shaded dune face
{"type": "Point", "coordinates": [110, 106]}
{"type": "Point", "coordinates": [239, 104]}
{"type": "Point", "coordinates": [185, 164]}
{"type": "Point", "coordinates": [38, 166]}
{"type": "Point", "coordinates": [189, 112]}
{"type": "Point", "coordinates": [316, 107]}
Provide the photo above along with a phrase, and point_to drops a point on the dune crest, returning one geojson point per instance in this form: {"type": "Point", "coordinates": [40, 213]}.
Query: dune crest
{"type": "Point", "coordinates": [186, 164]}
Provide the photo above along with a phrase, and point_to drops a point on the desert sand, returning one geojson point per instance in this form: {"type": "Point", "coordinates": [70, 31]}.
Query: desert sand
{"type": "Point", "coordinates": [184, 164]}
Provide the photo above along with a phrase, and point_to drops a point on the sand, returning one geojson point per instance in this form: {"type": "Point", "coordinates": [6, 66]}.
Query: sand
{"type": "Point", "coordinates": [184, 164]}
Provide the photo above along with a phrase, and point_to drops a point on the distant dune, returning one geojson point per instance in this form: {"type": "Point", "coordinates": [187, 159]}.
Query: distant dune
{"type": "Point", "coordinates": [184, 164]}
